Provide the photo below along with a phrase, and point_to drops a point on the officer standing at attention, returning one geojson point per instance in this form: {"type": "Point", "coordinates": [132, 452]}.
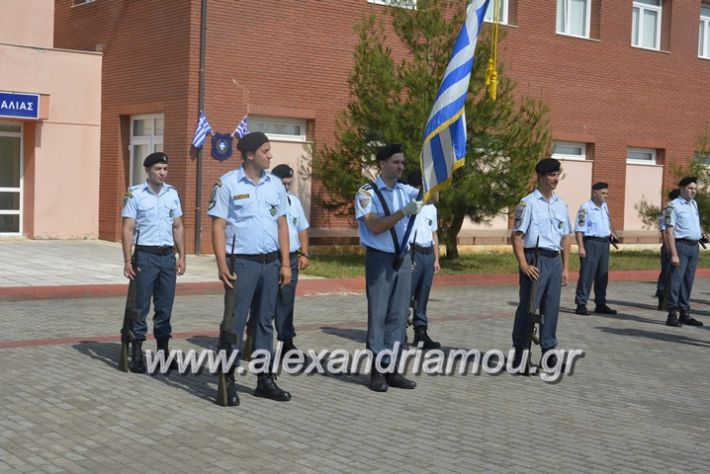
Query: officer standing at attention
{"type": "Point", "coordinates": [153, 209]}
{"type": "Point", "coordinates": [592, 232]}
{"type": "Point", "coordinates": [250, 205]}
{"type": "Point", "coordinates": [541, 226]}
{"type": "Point", "coordinates": [425, 258]}
{"type": "Point", "coordinates": [298, 239]}
{"type": "Point", "coordinates": [665, 257]}
{"type": "Point", "coordinates": [380, 210]}
{"type": "Point", "coordinates": [682, 235]}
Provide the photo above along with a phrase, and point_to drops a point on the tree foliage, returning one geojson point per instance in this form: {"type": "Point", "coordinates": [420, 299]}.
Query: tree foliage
{"type": "Point", "coordinates": [390, 101]}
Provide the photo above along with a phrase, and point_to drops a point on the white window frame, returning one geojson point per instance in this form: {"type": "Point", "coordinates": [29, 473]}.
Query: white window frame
{"type": "Point", "coordinates": [253, 127]}
{"type": "Point", "coordinates": [8, 212]}
{"type": "Point", "coordinates": [632, 161]}
{"type": "Point", "coordinates": [396, 3]}
{"type": "Point", "coordinates": [704, 32]}
{"type": "Point", "coordinates": [564, 156]}
{"type": "Point", "coordinates": [154, 143]}
{"type": "Point", "coordinates": [587, 15]}
{"type": "Point", "coordinates": [78, 3]}
{"type": "Point", "coordinates": [641, 7]}
{"type": "Point", "coordinates": [503, 20]}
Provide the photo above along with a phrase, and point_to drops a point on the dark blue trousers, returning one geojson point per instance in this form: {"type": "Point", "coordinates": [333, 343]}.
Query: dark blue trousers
{"type": "Point", "coordinates": [284, 304]}
{"type": "Point", "coordinates": [548, 300]}
{"type": "Point", "coordinates": [682, 276]}
{"type": "Point", "coordinates": [155, 279]}
{"type": "Point", "coordinates": [594, 268]}
{"type": "Point", "coordinates": [422, 277]}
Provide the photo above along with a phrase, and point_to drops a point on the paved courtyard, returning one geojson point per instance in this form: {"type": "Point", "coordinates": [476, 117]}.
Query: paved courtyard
{"type": "Point", "coordinates": [636, 402]}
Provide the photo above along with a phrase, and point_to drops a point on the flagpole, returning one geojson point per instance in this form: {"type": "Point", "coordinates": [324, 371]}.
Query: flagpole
{"type": "Point", "coordinates": [200, 107]}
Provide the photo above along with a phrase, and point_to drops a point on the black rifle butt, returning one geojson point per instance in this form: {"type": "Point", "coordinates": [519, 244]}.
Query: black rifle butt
{"type": "Point", "coordinates": [222, 389]}
{"type": "Point", "coordinates": [123, 359]}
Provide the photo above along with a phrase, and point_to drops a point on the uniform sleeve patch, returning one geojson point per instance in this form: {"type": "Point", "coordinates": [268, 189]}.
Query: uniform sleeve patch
{"type": "Point", "coordinates": [668, 213]}
{"type": "Point", "coordinates": [126, 197]}
{"type": "Point", "coordinates": [363, 199]}
{"type": "Point", "coordinates": [519, 211]}
{"type": "Point", "coordinates": [582, 217]}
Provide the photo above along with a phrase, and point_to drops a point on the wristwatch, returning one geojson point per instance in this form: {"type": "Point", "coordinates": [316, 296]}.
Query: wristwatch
{"type": "Point", "coordinates": [305, 254]}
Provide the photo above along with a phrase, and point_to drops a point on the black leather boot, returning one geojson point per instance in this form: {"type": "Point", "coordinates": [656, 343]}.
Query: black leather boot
{"type": "Point", "coordinates": [673, 319]}
{"type": "Point", "coordinates": [686, 318]}
{"type": "Point", "coordinates": [582, 310]}
{"type": "Point", "coordinates": [397, 380]}
{"type": "Point", "coordinates": [519, 363]}
{"type": "Point", "coordinates": [377, 380]}
{"type": "Point", "coordinates": [232, 397]}
{"type": "Point", "coordinates": [604, 309]}
{"type": "Point", "coordinates": [137, 358]}
{"type": "Point", "coordinates": [266, 388]}
{"type": "Point", "coordinates": [420, 335]}
{"type": "Point", "coordinates": [163, 346]}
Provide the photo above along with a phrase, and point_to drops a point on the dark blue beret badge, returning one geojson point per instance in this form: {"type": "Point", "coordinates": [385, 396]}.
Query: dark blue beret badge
{"type": "Point", "coordinates": [221, 146]}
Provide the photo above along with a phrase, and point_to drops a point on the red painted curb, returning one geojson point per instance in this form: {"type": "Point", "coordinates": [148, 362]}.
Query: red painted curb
{"type": "Point", "coordinates": [316, 287]}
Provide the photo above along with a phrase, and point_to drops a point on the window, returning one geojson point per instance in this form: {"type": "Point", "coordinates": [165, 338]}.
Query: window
{"type": "Point", "coordinates": [641, 156]}
{"type": "Point", "coordinates": [82, 2]}
{"type": "Point", "coordinates": [11, 179]}
{"type": "Point", "coordinates": [704, 36]}
{"type": "Point", "coordinates": [285, 129]}
{"type": "Point", "coordinates": [502, 12]}
{"type": "Point", "coordinates": [573, 17]}
{"type": "Point", "coordinates": [569, 151]}
{"type": "Point", "coordinates": [146, 137]}
{"type": "Point", "coordinates": [412, 4]}
{"type": "Point", "coordinates": [646, 24]}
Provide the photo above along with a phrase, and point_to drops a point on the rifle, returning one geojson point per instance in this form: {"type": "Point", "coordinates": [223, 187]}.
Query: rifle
{"type": "Point", "coordinates": [532, 316]}
{"type": "Point", "coordinates": [130, 314]}
{"type": "Point", "coordinates": [613, 239]}
{"type": "Point", "coordinates": [227, 337]}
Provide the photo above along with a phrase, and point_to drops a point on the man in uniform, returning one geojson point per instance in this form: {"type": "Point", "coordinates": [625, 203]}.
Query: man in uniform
{"type": "Point", "coordinates": [298, 239]}
{"type": "Point", "coordinates": [665, 257]}
{"type": "Point", "coordinates": [593, 232]}
{"type": "Point", "coordinates": [541, 227]}
{"type": "Point", "coordinates": [425, 258]}
{"type": "Point", "coordinates": [250, 205]}
{"type": "Point", "coordinates": [153, 209]}
{"type": "Point", "coordinates": [380, 210]}
{"type": "Point", "coordinates": [683, 233]}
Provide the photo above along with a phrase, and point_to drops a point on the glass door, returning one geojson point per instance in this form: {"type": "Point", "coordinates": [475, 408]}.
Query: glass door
{"type": "Point", "coordinates": [10, 179]}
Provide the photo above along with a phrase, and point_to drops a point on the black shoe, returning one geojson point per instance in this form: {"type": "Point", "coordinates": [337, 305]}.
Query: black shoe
{"type": "Point", "coordinates": [232, 397]}
{"type": "Point", "coordinates": [288, 346]}
{"type": "Point", "coordinates": [266, 388]}
{"type": "Point", "coordinates": [420, 335]}
{"type": "Point", "coordinates": [686, 318]}
{"type": "Point", "coordinates": [398, 381]}
{"type": "Point", "coordinates": [604, 309]}
{"type": "Point", "coordinates": [163, 347]}
{"type": "Point", "coordinates": [662, 306]}
{"type": "Point", "coordinates": [582, 309]}
{"type": "Point", "coordinates": [519, 362]}
{"type": "Point", "coordinates": [673, 320]}
{"type": "Point", "coordinates": [137, 358]}
{"type": "Point", "coordinates": [377, 381]}
{"type": "Point", "coordinates": [551, 362]}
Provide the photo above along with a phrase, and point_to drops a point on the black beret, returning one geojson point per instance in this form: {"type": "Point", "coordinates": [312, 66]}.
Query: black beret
{"type": "Point", "coordinates": [153, 158]}
{"type": "Point", "coordinates": [251, 141]}
{"type": "Point", "coordinates": [674, 194]}
{"type": "Point", "coordinates": [282, 171]}
{"type": "Point", "coordinates": [687, 180]}
{"type": "Point", "coordinates": [386, 151]}
{"type": "Point", "coordinates": [415, 178]}
{"type": "Point", "coordinates": [547, 165]}
{"type": "Point", "coordinates": [600, 185]}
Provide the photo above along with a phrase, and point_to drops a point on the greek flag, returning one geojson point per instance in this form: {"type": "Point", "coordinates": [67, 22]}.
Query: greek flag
{"type": "Point", "coordinates": [242, 129]}
{"type": "Point", "coordinates": [203, 128]}
{"type": "Point", "coordinates": [444, 148]}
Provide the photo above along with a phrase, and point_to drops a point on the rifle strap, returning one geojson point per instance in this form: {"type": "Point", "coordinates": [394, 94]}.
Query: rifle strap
{"type": "Point", "coordinates": [387, 212]}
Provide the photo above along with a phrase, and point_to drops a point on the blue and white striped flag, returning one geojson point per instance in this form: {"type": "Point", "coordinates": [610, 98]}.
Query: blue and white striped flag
{"type": "Point", "coordinates": [203, 128]}
{"type": "Point", "coordinates": [444, 148]}
{"type": "Point", "coordinates": [243, 128]}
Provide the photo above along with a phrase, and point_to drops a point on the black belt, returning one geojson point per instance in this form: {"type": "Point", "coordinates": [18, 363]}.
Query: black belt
{"type": "Point", "coordinates": [372, 249]}
{"type": "Point", "coordinates": [600, 239]}
{"type": "Point", "coordinates": [424, 250]}
{"type": "Point", "coordinates": [687, 241]}
{"type": "Point", "coordinates": [258, 258]}
{"type": "Point", "coordinates": [156, 249]}
{"type": "Point", "coordinates": [543, 252]}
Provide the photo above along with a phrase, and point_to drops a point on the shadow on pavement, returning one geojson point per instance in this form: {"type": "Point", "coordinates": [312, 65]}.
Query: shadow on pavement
{"type": "Point", "coordinates": [661, 336]}
{"type": "Point", "coordinates": [357, 335]}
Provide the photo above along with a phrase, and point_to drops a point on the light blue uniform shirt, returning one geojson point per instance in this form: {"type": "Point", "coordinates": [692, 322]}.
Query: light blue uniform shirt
{"type": "Point", "coordinates": [424, 227]}
{"type": "Point", "coordinates": [367, 202]}
{"type": "Point", "coordinates": [661, 223]}
{"type": "Point", "coordinates": [593, 221]}
{"type": "Point", "coordinates": [535, 217]}
{"type": "Point", "coordinates": [683, 216]}
{"type": "Point", "coordinates": [297, 222]}
{"type": "Point", "coordinates": [154, 213]}
{"type": "Point", "coordinates": [251, 211]}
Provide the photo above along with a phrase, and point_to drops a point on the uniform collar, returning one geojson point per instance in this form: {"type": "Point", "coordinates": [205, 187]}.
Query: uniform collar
{"type": "Point", "coordinates": [538, 195]}
{"type": "Point", "coordinates": [381, 184]}
{"type": "Point", "coordinates": [146, 188]}
{"type": "Point", "coordinates": [241, 176]}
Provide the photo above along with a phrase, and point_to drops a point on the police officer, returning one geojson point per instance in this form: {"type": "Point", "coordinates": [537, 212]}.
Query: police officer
{"type": "Point", "coordinates": [298, 259]}
{"type": "Point", "coordinates": [541, 226]}
{"type": "Point", "coordinates": [593, 232]}
{"type": "Point", "coordinates": [250, 204]}
{"type": "Point", "coordinates": [425, 258]}
{"type": "Point", "coordinates": [683, 232]}
{"type": "Point", "coordinates": [153, 210]}
{"type": "Point", "coordinates": [381, 209]}
{"type": "Point", "coordinates": [665, 274]}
